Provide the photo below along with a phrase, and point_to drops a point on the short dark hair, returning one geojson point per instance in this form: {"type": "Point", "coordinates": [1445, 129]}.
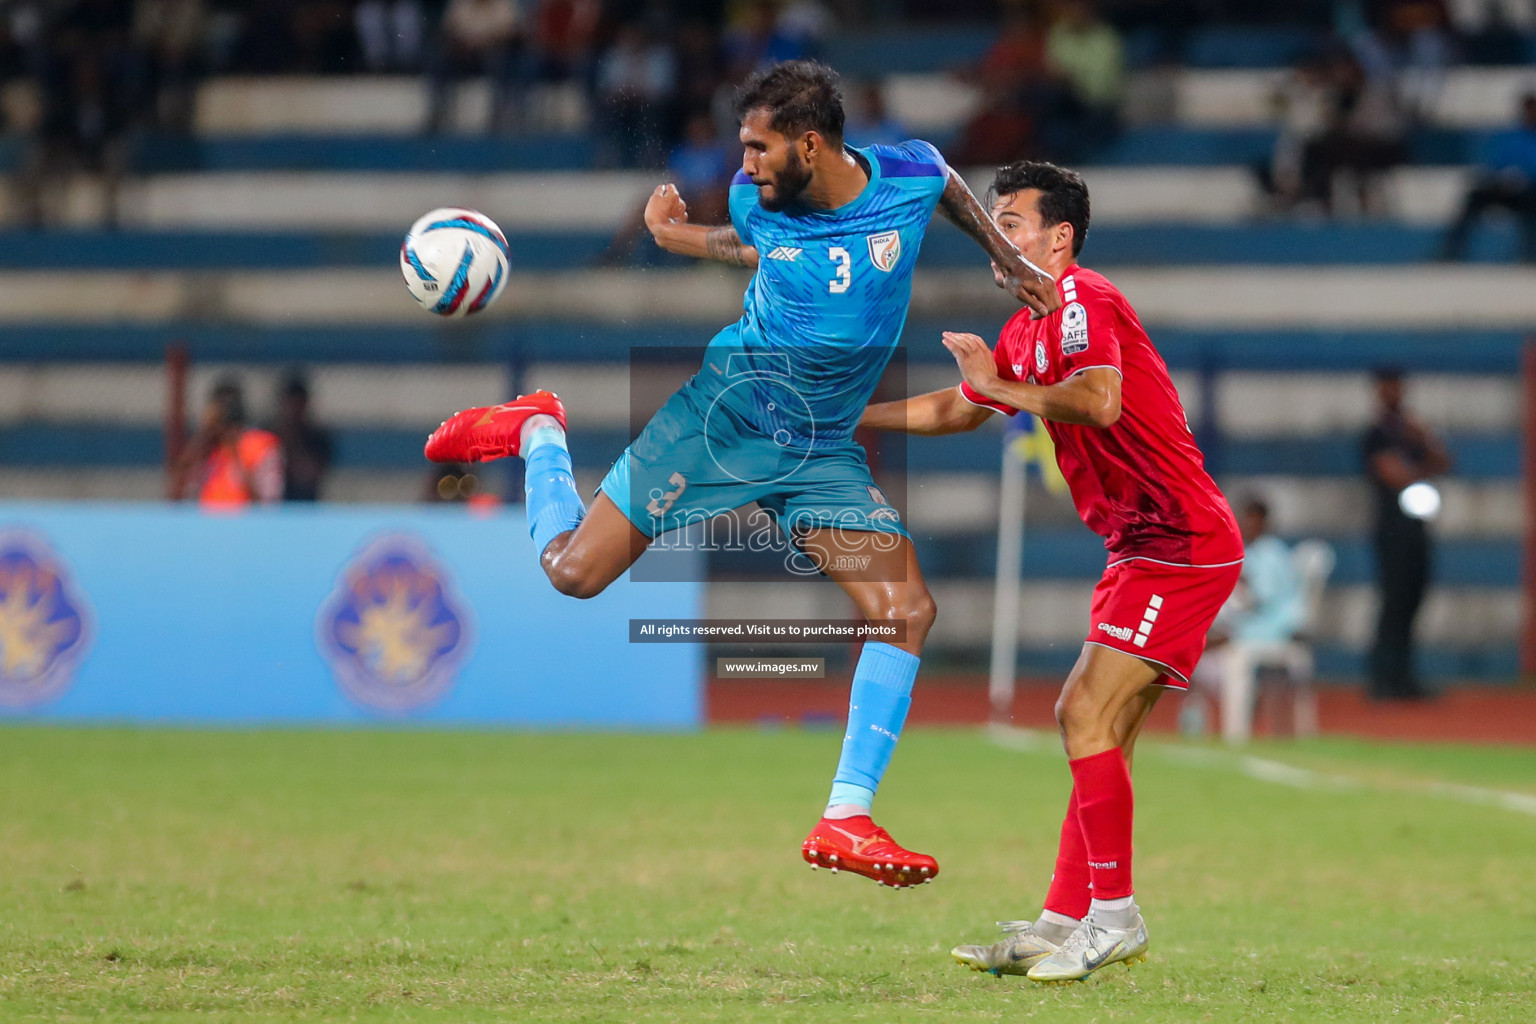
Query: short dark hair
{"type": "Point", "coordinates": [230, 397]}
{"type": "Point", "coordinates": [1063, 194]}
{"type": "Point", "coordinates": [799, 95]}
{"type": "Point", "coordinates": [1256, 506]}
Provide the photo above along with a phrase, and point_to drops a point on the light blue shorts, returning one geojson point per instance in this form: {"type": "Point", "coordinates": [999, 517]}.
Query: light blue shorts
{"type": "Point", "coordinates": [696, 460]}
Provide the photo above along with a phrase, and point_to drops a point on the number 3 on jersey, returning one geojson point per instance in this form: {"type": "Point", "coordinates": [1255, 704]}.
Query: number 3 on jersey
{"type": "Point", "coordinates": [837, 254]}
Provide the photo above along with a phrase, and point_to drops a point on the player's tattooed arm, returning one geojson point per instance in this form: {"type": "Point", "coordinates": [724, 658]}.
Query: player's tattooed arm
{"type": "Point", "coordinates": [1016, 275]}
{"type": "Point", "coordinates": [723, 245]}
{"type": "Point", "coordinates": [666, 215]}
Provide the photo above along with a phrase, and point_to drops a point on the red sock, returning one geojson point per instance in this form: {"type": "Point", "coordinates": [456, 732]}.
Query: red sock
{"type": "Point", "coordinates": [1069, 893]}
{"type": "Point", "coordinates": [1106, 809]}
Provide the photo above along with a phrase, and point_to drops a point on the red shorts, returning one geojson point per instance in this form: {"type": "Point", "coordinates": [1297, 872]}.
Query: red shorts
{"type": "Point", "coordinates": [1160, 612]}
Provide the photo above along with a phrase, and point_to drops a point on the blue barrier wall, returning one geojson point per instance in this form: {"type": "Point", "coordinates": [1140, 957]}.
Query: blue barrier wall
{"type": "Point", "coordinates": [321, 615]}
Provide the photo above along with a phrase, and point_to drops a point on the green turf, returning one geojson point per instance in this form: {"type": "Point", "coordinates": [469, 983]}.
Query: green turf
{"type": "Point", "coordinates": [162, 876]}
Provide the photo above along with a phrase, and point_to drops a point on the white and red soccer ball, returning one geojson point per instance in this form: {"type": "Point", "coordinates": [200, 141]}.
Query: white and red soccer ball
{"type": "Point", "coordinates": [454, 261]}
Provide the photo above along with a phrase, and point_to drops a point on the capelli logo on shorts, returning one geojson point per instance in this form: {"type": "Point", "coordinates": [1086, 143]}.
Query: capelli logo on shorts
{"type": "Point", "coordinates": [1118, 632]}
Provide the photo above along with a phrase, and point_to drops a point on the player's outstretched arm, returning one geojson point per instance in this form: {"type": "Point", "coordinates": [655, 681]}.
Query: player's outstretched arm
{"type": "Point", "coordinates": [1017, 276]}
{"type": "Point", "coordinates": [938, 412]}
{"type": "Point", "coordinates": [1090, 398]}
{"type": "Point", "coordinates": [666, 215]}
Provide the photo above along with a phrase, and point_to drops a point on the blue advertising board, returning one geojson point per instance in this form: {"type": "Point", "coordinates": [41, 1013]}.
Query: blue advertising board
{"type": "Point", "coordinates": [322, 614]}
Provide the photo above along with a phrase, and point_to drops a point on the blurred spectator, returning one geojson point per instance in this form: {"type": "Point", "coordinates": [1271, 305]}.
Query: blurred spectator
{"type": "Point", "coordinates": [1507, 179]}
{"type": "Point", "coordinates": [1400, 452]}
{"type": "Point", "coordinates": [1267, 606]}
{"type": "Point", "coordinates": [869, 122]}
{"type": "Point", "coordinates": [999, 132]}
{"type": "Point", "coordinates": [1015, 60]}
{"type": "Point", "coordinates": [479, 37]}
{"type": "Point", "coordinates": [1304, 104]}
{"type": "Point", "coordinates": [1083, 53]}
{"type": "Point", "coordinates": [701, 167]}
{"type": "Point", "coordinates": [86, 82]}
{"type": "Point", "coordinates": [389, 34]}
{"type": "Point", "coordinates": [1405, 48]}
{"type": "Point", "coordinates": [1267, 609]}
{"type": "Point", "coordinates": [1363, 140]}
{"type": "Point", "coordinates": [1013, 69]}
{"type": "Point", "coordinates": [306, 445]}
{"type": "Point", "coordinates": [564, 36]}
{"type": "Point", "coordinates": [168, 38]}
{"type": "Point", "coordinates": [228, 464]}
{"type": "Point", "coordinates": [636, 84]}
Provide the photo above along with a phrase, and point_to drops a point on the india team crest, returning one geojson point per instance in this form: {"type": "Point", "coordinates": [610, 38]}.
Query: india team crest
{"type": "Point", "coordinates": [394, 631]}
{"type": "Point", "coordinates": [44, 624]}
{"type": "Point", "coordinates": [885, 250]}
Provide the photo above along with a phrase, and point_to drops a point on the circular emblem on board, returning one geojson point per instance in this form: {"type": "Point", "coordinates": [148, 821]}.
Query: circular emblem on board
{"type": "Point", "coordinates": [44, 623]}
{"type": "Point", "coordinates": [394, 631]}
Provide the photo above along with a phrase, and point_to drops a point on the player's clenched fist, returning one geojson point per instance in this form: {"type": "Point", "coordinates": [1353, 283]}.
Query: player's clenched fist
{"type": "Point", "coordinates": [665, 206]}
{"type": "Point", "coordinates": [974, 359]}
{"type": "Point", "coordinates": [1030, 285]}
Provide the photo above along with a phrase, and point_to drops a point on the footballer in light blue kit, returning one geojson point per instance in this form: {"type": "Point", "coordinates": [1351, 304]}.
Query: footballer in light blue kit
{"type": "Point", "coordinates": [833, 233]}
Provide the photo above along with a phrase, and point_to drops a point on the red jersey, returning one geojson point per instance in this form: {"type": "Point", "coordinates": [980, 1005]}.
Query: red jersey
{"type": "Point", "coordinates": [1140, 484]}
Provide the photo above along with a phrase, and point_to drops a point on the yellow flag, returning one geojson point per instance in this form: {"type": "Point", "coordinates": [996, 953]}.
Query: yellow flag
{"type": "Point", "coordinates": [1029, 441]}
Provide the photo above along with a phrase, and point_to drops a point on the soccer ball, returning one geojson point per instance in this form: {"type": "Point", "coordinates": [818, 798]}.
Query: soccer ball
{"type": "Point", "coordinates": [454, 261]}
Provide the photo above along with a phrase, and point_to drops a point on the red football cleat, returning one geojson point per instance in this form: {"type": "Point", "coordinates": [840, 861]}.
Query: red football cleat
{"type": "Point", "coordinates": [490, 431]}
{"type": "Point", "coordinates": [859, 845]}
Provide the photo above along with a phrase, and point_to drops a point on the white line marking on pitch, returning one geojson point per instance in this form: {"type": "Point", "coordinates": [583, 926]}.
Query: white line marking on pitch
{"type": "Point", "coordinates": [1294, 776]}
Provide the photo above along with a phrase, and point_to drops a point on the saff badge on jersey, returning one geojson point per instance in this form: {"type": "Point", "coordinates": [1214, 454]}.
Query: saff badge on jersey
{"type": "Point", "coordinates": [885, 250]}
{"type": "Point", "coordinates": [1074, 329]}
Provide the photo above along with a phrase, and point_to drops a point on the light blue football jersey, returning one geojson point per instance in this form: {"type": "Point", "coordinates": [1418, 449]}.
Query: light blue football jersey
{"type": "Point", "coordinates": [826, 307]}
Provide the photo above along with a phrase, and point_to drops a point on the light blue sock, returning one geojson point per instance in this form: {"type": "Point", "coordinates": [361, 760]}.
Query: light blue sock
{"type": "Point", "coordinates": [877, 709]}
{"type": "Point", "coordinates": [553, 504]}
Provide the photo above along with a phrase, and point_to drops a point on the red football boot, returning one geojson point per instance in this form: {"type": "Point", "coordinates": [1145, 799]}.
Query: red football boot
{"type": "Point", "coordinates": [857, 844]}
{"type": "Point", "coordinates": [490, 432]}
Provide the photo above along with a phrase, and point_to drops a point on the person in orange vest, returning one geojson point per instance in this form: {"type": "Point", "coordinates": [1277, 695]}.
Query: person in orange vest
{"type": "Point", "coordinates": [228, 464]}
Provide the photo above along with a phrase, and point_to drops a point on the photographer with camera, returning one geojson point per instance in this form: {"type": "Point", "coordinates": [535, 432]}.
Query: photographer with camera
{"type": "Point", "coordinates": [228, 464]}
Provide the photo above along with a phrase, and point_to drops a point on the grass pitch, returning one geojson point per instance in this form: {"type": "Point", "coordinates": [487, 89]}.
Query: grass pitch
{"type": "Point", "coordinates": [166, 875]}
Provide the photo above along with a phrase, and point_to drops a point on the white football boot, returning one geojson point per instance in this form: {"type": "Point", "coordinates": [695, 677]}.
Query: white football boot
{"type": "Point", "coordinates": [1091, 947]}
{"type": "Point", "coordinates": [1019, 950]}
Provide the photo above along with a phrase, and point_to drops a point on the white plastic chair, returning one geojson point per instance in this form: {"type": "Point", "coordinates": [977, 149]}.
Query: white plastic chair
{"type": "Point", "coordinates": [1313, 561]}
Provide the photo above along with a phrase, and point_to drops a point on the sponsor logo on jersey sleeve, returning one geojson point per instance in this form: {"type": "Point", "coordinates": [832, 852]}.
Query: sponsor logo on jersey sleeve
{"type": "Point", "coordinates": [1074, 329]}
{"type": "Point", "coordinates": [885, 250]}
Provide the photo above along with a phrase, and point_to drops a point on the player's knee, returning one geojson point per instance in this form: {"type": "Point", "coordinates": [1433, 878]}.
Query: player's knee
{"type": "Point", "coordinates": [922, 613]}
{"type": "Point", "coordinates": [1076, 713]}
{"type": "Point", "coordinates": [917, 609]}
{"type": "Point", "coordinates": [571, 576]}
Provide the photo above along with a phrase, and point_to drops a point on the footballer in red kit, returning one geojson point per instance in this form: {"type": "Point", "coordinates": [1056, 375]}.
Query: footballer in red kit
{"type": "Point", "coordinates": [1139, 483]}
{"type": "Point", "coordinates": [1092, 375]}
